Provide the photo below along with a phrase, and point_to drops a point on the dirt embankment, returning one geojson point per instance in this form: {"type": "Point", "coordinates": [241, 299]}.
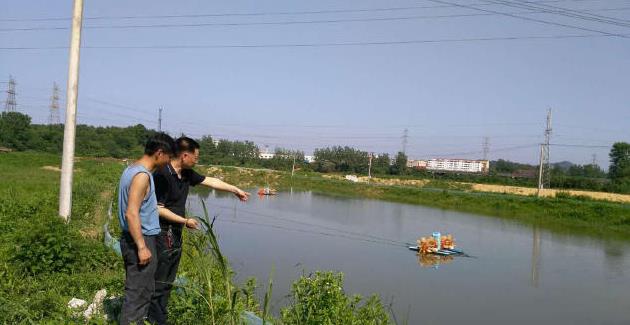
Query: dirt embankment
{"type": "Point", "coordinates": [516, 190]}
{"type": "Point", "coordinates": [614, 197]}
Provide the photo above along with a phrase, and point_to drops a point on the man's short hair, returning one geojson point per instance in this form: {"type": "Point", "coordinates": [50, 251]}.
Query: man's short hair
{"type": "Point", "coordinates": [160, 141]}
{"type": "Point", "coordinates": [185, 144]}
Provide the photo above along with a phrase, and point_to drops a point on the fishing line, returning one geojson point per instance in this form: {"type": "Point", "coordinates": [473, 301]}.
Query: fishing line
{"type": "Point", "coordinates": [347, 232]}
{"type": "Point", "coordinates": [309, 232]}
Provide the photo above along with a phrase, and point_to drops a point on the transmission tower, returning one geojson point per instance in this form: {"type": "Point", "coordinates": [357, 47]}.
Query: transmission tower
{"type": "Point", "coordinates": [160, 120]}
{"type": "Point", "coordinates": [405, 139]}
{"type": "Point", "coordinates": [486, 148]}
{"type": "Point", "coordinates": [10, 104]}
{"type": "Point", "coordinates": [594, 159]}
{"type": "Point", "coordinates": [53, 118]}
{"type": "Point", "coordinates": [544, 177]}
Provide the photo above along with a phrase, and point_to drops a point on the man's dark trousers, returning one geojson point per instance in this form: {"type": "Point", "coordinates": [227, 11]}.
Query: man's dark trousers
{"type": "Point", "coordinates": [139, 280]}
{"type": "Point", "coordinates": [169, 247]}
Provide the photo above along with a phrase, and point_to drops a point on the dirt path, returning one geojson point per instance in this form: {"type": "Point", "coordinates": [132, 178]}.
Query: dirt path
{"type": "Point", "coordinates": [623, 198]}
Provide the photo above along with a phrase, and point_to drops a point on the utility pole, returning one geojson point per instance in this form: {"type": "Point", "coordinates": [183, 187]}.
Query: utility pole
{"type": "Point", "coordinates": [54, 119]}
{"type": "Point", "coordinates": [544, 174]}
{"type": "Point", "coordinates": [405, 139]}
{"type": "Point", "coordinates": [370, 156]}
{"type": "Point", "coordinates": [540, 170]}
{"type": "Point", "coordinates": [10, 105]}
{"type": "Point", "coordinates": [67, 161]}
{"type": "Point", "coordinates": [160, 120]}
{"type": "Point", "coordinates": [486, 147]}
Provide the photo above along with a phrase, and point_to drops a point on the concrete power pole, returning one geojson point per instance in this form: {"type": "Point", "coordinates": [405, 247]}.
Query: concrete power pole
{"type": "Point", "coordinates": [370, 156]}
{"type": "Point", "coordinates": [544, 174]}
{"type": "Point", "coordinates": [67, 161]}
{"type": "Point", "coordinates": [54, 119]}
{"type": "Point", "coordinates": [10, 105]}
{"type": "Point", "coordinates": [540, 169]}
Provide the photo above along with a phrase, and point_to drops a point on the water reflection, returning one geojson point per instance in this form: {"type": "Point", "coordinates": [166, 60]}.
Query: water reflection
{"type": "Point", "coordinates": [614, 258]}
{"type": "Point", "coordinates": [535, 257]}
{"type": "Point", "coordinates": [433, 261]}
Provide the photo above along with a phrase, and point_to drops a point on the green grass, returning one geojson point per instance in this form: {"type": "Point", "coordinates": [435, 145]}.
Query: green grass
{"type": "Point", "coordinates": [45, 262]}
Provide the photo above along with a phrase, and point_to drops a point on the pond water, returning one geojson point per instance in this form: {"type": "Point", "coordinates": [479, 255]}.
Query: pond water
{"type": "Point", "coordinates": [519, 274]}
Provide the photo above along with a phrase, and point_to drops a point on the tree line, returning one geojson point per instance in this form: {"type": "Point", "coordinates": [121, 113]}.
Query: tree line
{"type": "Point", "coordinates": [18, 133]}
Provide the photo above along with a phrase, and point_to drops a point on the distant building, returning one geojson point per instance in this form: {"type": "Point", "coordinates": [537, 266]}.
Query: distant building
{"type": "Point", "coordinates": [309, 159]}
{"type": "Point", "coordinates": [417, 164]}
{"type": "Point", "coordinates": [266, 155]}
{"type": "Point", "coordinates": [458, 165]}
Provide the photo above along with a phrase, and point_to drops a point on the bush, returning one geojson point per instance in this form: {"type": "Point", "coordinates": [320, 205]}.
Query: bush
{"type": "Point", "coordinates": [46, 249]}
{"type": "Point", "coordinates": [54, 247]}
{"type": "Point", "coordinates": [320, 299]}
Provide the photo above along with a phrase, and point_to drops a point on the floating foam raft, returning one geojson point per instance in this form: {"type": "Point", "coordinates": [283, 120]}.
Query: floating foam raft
{"type": "Point", "coordinates": [443, 252]}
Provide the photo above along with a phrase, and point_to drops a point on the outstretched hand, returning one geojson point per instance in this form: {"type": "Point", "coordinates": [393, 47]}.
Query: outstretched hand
{"type": "Point", "coordinates": [241, 195]}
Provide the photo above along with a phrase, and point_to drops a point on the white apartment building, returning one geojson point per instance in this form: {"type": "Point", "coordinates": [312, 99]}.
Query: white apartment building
{"type": "Point", "coordinates": [417, 164]}
{"type": "Point", "coordinates": [270, 155]}
{"type": "Point", "coordinates": [458, 165]}
{"type": "Point", "coordinates": [266, 155]}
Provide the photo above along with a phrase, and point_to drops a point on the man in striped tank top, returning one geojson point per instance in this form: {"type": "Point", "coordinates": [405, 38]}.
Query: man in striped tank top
{"type": "Point", "coordinates": [140, 224]}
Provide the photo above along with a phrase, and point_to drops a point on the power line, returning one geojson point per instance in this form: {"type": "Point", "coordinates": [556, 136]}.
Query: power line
{"type": "Point", "coordinates": [577, 145]}
{"type": "Point", "coordinates": [290, 22]}
{"type": "Point", "coordinates": [528, 18]}
{"type": "Point", "coordinates": [279, 13]}
{"type": "Point", "coordinates": [581, 13]}
{"type": "Point", "coordinates": [526, 146]}
{"type": "Point", "coordinates": [564, 12]}
{"type": "Point", "coordinates": [311, 45]}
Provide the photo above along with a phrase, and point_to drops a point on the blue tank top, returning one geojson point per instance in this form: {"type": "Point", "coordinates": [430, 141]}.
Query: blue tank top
{"type": "Point", "coordinates": [149, 216]}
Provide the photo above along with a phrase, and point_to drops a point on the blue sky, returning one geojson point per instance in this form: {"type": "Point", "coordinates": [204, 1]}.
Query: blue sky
{"type": "Point", "coordinates": [449, 95]}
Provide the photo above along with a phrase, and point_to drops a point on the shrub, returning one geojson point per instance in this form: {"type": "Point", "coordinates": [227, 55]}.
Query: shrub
{"type": "Point", "coordinates": [320, 299]}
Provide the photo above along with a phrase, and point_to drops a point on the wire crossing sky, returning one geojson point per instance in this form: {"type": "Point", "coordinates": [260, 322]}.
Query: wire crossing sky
{"type": "Point", "coordinates": [305, 75]}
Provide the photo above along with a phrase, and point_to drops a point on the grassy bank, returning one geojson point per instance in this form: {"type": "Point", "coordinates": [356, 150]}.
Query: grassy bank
{"type": "Point", "coordinates": [563, 213]}
{"type": "Point", "coordinates": [44, 262]}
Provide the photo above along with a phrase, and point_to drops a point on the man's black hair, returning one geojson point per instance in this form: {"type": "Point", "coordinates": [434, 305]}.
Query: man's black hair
{"type": "Point", "coordinates": [185, 144]}
{"type": "Point", "coordinates": [159, 141]}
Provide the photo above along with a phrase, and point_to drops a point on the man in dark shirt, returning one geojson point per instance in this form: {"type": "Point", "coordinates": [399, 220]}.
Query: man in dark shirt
{"type": "Point", "coordinates": [172, 183]}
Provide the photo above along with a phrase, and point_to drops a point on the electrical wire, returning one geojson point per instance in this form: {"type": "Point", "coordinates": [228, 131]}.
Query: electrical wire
{"type": "Point", "coordinates": [562, 12]}
{"type": "Point", "coordinates": [277, 13]}
{"type": "Point", "coordinates": [312, 45]}
{"type": "Point", "coordinates": [279, 23]}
